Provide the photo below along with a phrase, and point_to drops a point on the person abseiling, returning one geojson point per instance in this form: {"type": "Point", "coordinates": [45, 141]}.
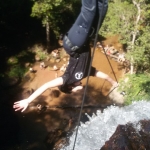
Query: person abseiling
{"type": "Point", "coordinates": [76, 44]}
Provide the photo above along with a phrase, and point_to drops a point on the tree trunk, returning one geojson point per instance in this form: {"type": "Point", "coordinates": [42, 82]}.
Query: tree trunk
{"type": "Point", "coordinates": [135, 31]}
{"type": "Point", "coordinates": [48, 35]}
{"type": "Point", "coordinates": [137, 20]}
{"type": "Point", "coordinates": [131, 66]}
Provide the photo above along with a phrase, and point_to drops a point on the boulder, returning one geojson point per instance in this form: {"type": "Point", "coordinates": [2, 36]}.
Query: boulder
{"type": "Point", "coordinates": [56, 139]}
{"type": "Point", "coordinates": [130, 137]}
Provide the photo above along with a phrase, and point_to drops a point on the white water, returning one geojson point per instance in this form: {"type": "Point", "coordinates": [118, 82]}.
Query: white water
{"type": "Point", "coordinates": [93, 134]}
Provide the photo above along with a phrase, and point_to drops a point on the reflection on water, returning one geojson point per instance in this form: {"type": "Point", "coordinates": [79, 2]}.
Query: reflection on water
{"type": "Point", "coordinates": [93, 134]}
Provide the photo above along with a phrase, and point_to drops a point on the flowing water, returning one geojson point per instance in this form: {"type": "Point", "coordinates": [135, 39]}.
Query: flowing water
{"type": "Point", "coordinates": [93, 134]}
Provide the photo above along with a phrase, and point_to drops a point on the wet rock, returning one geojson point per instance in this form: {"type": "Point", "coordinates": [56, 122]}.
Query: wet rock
{"type": "Point", "coordinates": [64, 59]}
{"type": "Point", "coordinates": [55, 68]}
{"type": "Point", "coordinates": [32, 70]}
{"type": "Point", "coordinates": [55, 93]}
{"type": "Point", "coordinates": [47, 58]}
{"type": "Point", "coordinates": [57, 60]}
{"type": "Point", "coordinates": [27, 92]}
{"type": "Point", "coordinates": [63, 68]}
{"type": "Point", "coordinates": [29, 77]}
{"type": "Point", "coordinates": [116, 96]}
{"type": "Point", "coordinates": [55, 54]}
{"type": "Point", "coordinates": [52, 60]}
{"type": "Point", "coordinates": [56, 139]}
{"type": "Point", "coordinates": [27, 64]}
{"type": "Point", "coordinates": [41, 108]}
{"type": "Point", "coordinates": [42, 65]}
{"type": "Point", "coordinates": [130, 137]}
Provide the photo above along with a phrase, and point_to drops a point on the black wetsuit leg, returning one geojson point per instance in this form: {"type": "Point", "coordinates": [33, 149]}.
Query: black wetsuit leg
{"type": "Point", "coordinates": [81, 29]}
{"type": "Point", "coordinates": [79, 32]}
{"type": "Point", "coordinates": [102, 7]}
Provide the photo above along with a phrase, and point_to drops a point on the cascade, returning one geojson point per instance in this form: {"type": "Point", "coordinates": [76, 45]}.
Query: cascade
{"type": "Point", "coordinates": [93, 134]}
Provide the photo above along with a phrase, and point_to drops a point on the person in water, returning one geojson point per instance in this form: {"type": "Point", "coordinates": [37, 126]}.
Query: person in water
{"type": "Point", "coordinates": [76, 44]}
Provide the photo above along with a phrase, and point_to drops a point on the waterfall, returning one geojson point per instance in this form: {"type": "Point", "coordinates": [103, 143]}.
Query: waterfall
{"type": "Point", "coordinates": [93, 134]}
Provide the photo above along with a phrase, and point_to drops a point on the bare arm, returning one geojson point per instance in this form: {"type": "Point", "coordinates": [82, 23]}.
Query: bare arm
{"type": "Point", "coordinates": [102, 75]}
{"type": "Point", "coordinates": [54, 83]}
{"type": "Point", "coordinates": [23, 104]}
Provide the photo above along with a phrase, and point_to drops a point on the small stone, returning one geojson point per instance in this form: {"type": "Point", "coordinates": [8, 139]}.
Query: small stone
{"type": "Point", "coordinates": [37, 58]}
{"type": "Point", "coordinates": [27, 64]}
{"type": "Point", "coordinates": [57, 60]}
{"type": "Point", "coordinates": [64, 59]}
{"type": "Point", "coordinates": [52, 60]}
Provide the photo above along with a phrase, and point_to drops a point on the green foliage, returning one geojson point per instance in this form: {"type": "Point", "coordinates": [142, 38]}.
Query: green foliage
{"type": "Point", "coordinates": [122, 19]}
{"type": "Point", "coordinates": [17, 71]}
{"type": "Point", "coordinates": [141, 51]}
{"type": "Point", "coordinates": [46, 10]}
{"type": "Point", "coordinates": [136, 87]}
{"type": "Point", "coordinates": [40, 52]}
{"type": "Point", "coordinates": [17, 64]}
{"type": "Point", "coordinates": [119, 20]}
{"type": "Point", "coordinates": [12, 61]}
{"type": "Point", "coordinates": [56, 12]}
{"type": "Point", "coordinates": [42, 55]}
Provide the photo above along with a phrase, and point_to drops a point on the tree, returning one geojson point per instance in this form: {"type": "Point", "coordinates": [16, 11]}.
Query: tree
{"type": "Point", "coordinates": [51, 13]}
{"type": "Point", "coordinates": [129, 20]}
{"type": "Point", "coordinates": [119, 20]}
{"type": "Point", "coordinates": [138, 46]}
{"type": "Point", "coordinates": [43, 9]}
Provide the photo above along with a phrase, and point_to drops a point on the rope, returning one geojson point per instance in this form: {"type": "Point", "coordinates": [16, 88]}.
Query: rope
{"type": "Point", "coordinates": [110, 67]}
{"type": "Point", "coordinates": [83, 100]}
{"type": "Point", "coordinates": [109, 62]}
{"type": "Point", "coordinates": [95, 40]}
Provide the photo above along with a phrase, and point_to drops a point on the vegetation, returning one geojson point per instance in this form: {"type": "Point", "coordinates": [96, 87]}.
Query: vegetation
{"type": "Point", "coordinates": [136, 87]}
{"type": "Point", "coordinates": [16, 64]}
{"type": "Point", "coordinates": [54, 14]}
{"type": "Point", "coordinates": [17, 71]}
{"type": "Point", "coordinates": [130, 19]}
{"type": "Point", "coordinates": [40, 52]}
